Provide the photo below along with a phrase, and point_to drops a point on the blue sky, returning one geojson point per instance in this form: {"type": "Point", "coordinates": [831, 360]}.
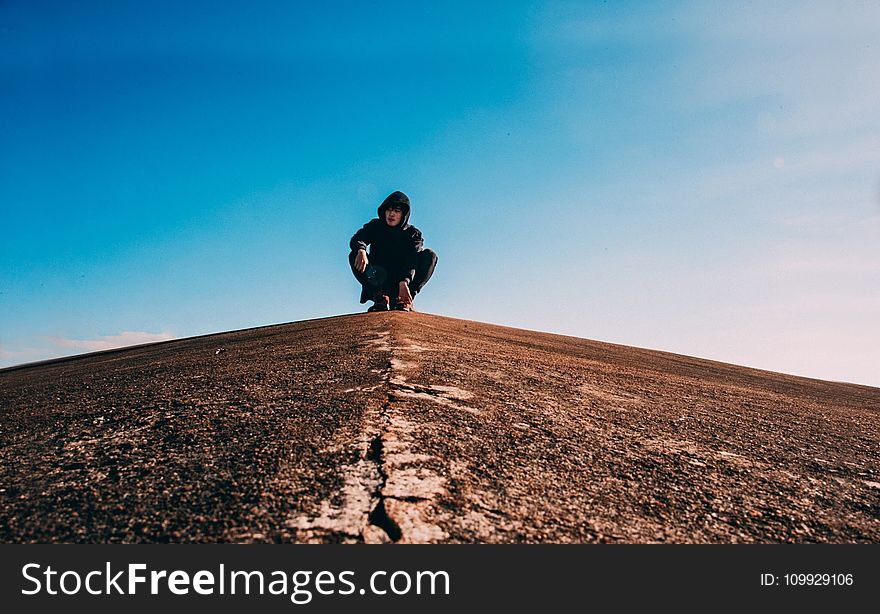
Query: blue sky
{"type": "Point", "coordinates": [688, 176]}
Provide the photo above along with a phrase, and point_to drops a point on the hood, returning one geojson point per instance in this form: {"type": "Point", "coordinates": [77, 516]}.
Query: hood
{"type": "Point", "coordinates": [396, 198]}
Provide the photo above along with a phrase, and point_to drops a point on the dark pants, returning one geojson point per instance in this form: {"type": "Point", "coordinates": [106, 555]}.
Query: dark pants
{"type": "Point", "coordinates": [386, 279]}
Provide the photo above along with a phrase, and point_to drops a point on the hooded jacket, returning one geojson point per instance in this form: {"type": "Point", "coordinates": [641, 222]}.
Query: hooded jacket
{"type": "Point", "coordinates": [391, 247]}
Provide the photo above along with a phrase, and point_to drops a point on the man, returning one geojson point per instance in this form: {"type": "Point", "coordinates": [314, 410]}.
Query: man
{"type": "Point", "coordinates": [397, 267]}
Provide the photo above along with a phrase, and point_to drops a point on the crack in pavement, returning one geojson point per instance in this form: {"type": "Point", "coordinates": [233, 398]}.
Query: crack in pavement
{"type": "Point", "coordinates": [379, 514]}
{"type": "Point", "coordinates": [386, 493]}
{"type": "Point", "coordinates": [407, 487]}
{"type": "Point", "coordinates": [444, 395]}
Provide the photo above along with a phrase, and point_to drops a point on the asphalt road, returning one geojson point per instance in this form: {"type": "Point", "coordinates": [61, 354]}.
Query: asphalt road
{"type": "Point", "coordinates": [409, 427]}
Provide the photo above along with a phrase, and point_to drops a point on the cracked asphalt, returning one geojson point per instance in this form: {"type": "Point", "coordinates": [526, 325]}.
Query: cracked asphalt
{"type": "Point", "coordinates": [412, 428]}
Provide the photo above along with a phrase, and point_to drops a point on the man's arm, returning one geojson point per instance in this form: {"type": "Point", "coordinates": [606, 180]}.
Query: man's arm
{"type": "Point", "coordinates": [362, 237]}
{"type": "Point", "coordinates": [404, 295]}
{"type": "Point", "coordinates": [416, 240]}
{"type": "Point", "coordinates": [359, 242]}
{"type": "Point", "coordinates": [416, 245]}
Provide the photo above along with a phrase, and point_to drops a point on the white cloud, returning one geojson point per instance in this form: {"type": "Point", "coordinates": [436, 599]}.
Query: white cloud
{"type": "Point", "coordinates": [10, 355]}
{"type": "Point", "coordinates": [110, 342]}
{"type": "Point", "coordinates": [47, 348]}
{"type": "Point", "coordinates": [815, 64]}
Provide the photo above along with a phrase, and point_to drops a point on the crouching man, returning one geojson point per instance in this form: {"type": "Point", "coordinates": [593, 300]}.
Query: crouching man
{"type": "Point", "coordinates": [397, 266]}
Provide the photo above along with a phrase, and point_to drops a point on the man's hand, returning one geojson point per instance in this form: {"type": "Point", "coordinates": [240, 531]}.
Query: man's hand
{"type": "Point", "coordinates": [360, 261]}
{"type": "Point", "coordinates": [404, 295]}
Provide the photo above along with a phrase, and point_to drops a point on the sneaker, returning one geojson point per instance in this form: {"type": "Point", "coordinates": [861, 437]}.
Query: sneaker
{"type": "Point", "coordinates": [398, 306]}
{"type": "Point", "coordinates": [380, 303]}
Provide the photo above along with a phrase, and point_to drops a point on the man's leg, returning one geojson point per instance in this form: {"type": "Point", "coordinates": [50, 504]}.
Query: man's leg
{"type": "Point", "coordinates": [371, 279]}
{"type": "Point", "coordinates": [425, 261]}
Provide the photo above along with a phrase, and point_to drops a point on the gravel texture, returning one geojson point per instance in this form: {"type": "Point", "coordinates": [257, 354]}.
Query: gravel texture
{"type": "Point", "coordinates": [410, 427]}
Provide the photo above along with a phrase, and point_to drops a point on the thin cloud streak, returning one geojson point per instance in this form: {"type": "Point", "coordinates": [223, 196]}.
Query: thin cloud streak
{"type": "Point", "coordinates": [110, 342]}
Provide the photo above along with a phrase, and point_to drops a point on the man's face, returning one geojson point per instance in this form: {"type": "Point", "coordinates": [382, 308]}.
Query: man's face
{"type": "Point", "coordinates": [393, 215]}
